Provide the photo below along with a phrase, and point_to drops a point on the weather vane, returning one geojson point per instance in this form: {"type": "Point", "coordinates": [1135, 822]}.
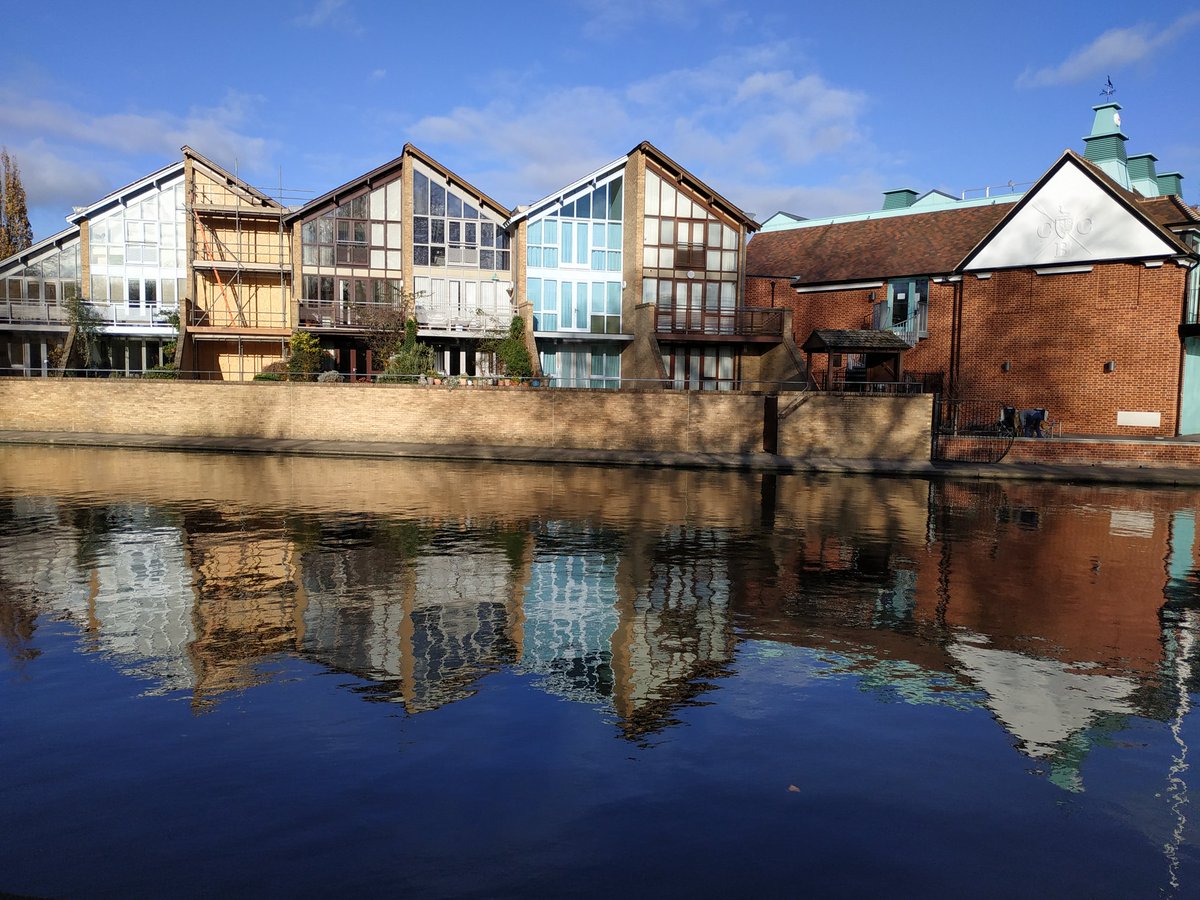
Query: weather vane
{"type": "Point", "coordinates": [1109, 90]}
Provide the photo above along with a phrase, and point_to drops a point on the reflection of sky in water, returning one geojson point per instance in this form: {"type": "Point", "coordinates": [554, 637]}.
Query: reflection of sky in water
{"type": "Point", "coordinates": [962, 621]}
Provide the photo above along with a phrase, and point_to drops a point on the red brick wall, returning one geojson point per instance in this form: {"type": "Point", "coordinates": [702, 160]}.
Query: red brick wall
{"type": "Point", "coordinates": [1056, 330]}
{"type": "Point", "coordinates": [1076, 452]}
{"type": "Point", "coordinates": [1059, 330]}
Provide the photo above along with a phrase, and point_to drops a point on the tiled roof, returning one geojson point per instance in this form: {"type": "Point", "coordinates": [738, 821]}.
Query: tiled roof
{"type": "Point", "coordinates": [921, 244]}
{"type": "Point", "coordinates": [853, 341]}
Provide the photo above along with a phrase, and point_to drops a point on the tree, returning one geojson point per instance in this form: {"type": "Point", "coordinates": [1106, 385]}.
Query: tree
{"type": "Point", "coordinates": [16, 234]}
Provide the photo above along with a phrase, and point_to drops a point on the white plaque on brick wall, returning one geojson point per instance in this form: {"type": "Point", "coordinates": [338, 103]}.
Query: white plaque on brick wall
{"type": "Point", "coordinates": [1140, 419]}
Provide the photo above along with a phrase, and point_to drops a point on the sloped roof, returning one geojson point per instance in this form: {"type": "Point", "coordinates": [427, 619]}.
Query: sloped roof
{"type": "Point", "coordinates": [855, 340]}
{"type": "Point", "coordinates": [1134, 202]}
{"type": "Point", "coordinates": [230, 179]}
{"type": "Point", "coordinates": [926, 243]}
{"type": "Point", "coordinates": [54, 242]}
{"type": "Point", "coordinates": [561, 193]}
{"type": "Point", "coordinates": [336, 196]}
{"type": "Point", "coordinates": [888, 247]}
{"type": "Point", "coordinates": [153, 179]}
{"type": "Point", "coordinates": [689, 180]}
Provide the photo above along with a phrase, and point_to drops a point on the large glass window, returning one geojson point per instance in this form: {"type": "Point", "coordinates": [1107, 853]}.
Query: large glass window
{"type": "Point", "coordinates": [571, 243]}
{"type": "Point", "coordinates": [450, 229]}
{"type": "Point", "coordinates": [138, 255]}
{"type": "Point", "coordinates": [682, 233]}
{"type": "Point", "coordinates": [582, 367]}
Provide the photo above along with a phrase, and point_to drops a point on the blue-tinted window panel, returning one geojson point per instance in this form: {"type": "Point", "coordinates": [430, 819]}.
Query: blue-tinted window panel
{"type": "Point", "coordinates": [549, 295]}
{"type": "Point", "coordinates": [614, 261]}
{"type": "Point", "coordinates": [550, 232]}
{"type": "Point", "coordinates": [469, 211]}
{"type": "Point", "coordinates": [614, 237]}
{"type": "Point", "coordinates": [598, 260]}
{"type": "Point", "coordinates": [583, 207]}
{"type": "Point", "coordinates": [567, 242]}
{"type": "Point", "coordinates": [535, 232]}
{"type": "Point", "coordinates": [533, 256]}
{"type": "Point", "coordinates": [437, 200]}
{"type": "Point", "coordinates": [599, 236]}
{"type": "Point", "coordinates": [568, 210]}
{"type": "Point", "coordinates": [599, 203]}
{"type": "Point", "coordinates": [534, 290]}
{"type": "Point", "coordinates": [550, 257]}
{"type": "Point", "coordinates": [614, 298]}
{"type": "Point", "coordinates": [454, 206]}
{"type": "Point", "coordinates": [612, 367]}
{"type": "Point", "coordinates": [581, 244]}
{"type": "Point", "coordinates": [550, 322]}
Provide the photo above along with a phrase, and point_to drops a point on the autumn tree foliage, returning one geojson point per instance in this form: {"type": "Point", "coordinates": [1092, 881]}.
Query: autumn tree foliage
{"type": "Point", "coordinates": [16, 234]}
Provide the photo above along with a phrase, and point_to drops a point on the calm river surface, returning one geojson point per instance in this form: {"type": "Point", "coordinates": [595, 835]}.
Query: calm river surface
{"type": "Point", "coordinates": [227, 675]}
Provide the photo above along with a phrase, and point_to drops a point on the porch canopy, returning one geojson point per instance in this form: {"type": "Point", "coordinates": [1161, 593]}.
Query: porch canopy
{"type": "Point", "coordinates": [881, 352]}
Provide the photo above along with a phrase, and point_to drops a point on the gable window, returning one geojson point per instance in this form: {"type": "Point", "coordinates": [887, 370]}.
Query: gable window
{"type": "Point", "coordinates": [450, 229]}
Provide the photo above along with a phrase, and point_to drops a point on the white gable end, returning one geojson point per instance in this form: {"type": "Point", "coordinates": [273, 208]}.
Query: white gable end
{"type": "Point", "coordinates": [1071, 219]}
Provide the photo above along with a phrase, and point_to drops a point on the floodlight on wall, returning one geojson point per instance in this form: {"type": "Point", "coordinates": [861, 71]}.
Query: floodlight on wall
{"type": "Point", "coordinates": [871, 296]}
{"type": "Point", "coordinates": [1006, 366]}
{"type": "Point", "coordinates": [1110, 366]}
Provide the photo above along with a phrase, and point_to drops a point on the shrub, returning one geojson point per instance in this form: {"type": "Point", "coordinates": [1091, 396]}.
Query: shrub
{"type": "Point", "coordinates": [305, 359]}
{"type": "Point", "coordinates": [330, 377]}
{"type": "Point", "coordinates": [412, 359]}
{"type": "Point", "coordinates": [270, 376]}
{"type": "Point", "coordinates": [511, 352]}
{"type": "Point", "coordinates": [166, 370]}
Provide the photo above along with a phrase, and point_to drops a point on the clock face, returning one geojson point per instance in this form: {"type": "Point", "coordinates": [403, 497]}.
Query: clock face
{"type": "Point", "coordinates": [1117, 119]}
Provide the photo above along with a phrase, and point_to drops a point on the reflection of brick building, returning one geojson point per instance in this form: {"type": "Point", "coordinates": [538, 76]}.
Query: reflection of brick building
{"type": "Point", "coordinates": [1075, 296]}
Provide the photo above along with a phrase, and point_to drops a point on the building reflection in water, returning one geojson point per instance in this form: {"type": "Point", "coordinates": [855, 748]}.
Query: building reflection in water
{"type": "Point", "coordinates": [1061, 610]}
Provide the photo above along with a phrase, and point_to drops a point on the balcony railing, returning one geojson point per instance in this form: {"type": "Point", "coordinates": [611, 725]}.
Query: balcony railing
{"type": "Point", "coordinates": [912, 329]}
{"type": "Point", "coordinates": [742, 321]}
{"type": "Point", "coordinates": [265, 251]}
{"type": "Point", "coordinates": [50, 312]}
{"type": "Point", "coordinates": [338, 314]}
{"type": "Point", "coordinates": [222, 316]}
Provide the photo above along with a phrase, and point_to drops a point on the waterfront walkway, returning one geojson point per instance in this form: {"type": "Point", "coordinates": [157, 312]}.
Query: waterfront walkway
{"type": "Point", "coordinates": [743, 462]}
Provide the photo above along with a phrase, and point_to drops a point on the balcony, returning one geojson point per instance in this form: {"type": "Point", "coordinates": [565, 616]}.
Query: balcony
{"type": "Point", "coordinates": [739, 323]}
{"type": "Point", "coordinates": [339, 314]}
{"type": "Point", "coordinates": [228, 316]}
{"type": "Point", "coordinates": [112, 315]}
{"type": "Point", "coordinates": [912, 329]}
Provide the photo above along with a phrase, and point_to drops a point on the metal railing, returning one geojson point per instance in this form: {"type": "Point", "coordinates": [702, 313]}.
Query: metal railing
{"type": "Point", "coordinates": [52, 312]}
{"type": "Point", "coordinates": [220, 317]}
{"type": "Point", "coordinates": [911, 383]}
{"type": "Point", "coordinates": [742, 321]}
{"type": "Point", "coordinates": [265, 251]}
{"type": "Point", "coordinates": [911, 330]}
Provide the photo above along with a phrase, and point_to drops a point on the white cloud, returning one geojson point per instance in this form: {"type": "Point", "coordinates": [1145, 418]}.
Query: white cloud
{"type": "Point", "coordinates": [608, 17]}
{"type": "Point", "coordinates": [377, 75]}
{"type": "Point", "coordinates": [1114, 49]}
{"type": "Point", "coordinates": [321, 13]}
{"type": "Point", "coordinates": [214, 131]}
{"type": "Point", "coordinates": [741, 118]}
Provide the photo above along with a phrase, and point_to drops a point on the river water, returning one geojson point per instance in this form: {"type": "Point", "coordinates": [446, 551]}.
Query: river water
{"type": "Point", "coordinates": [230, 675]}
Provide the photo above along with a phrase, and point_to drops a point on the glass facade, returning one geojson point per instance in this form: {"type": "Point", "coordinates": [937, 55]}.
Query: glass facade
{"type": "Point", "coordinates": [690, 259]}
{"type": "Point", "coordinates": [352, 254]}
{"type": "Point", "coordinates": [583, 366]}
{"type": "Point", "coordinates": [48, 278]}
{"type": "Point", "coordinates": [452, 230]}
{"type": "Point", "coordinates": [138, 254]}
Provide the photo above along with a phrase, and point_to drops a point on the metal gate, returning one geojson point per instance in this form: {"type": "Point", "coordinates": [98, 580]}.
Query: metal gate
{"type": "Point", "coordinates": [976, 431]}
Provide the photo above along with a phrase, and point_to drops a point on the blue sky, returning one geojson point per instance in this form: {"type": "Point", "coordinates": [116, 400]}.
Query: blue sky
{"type": "Point", "coordinates": [811, 108]}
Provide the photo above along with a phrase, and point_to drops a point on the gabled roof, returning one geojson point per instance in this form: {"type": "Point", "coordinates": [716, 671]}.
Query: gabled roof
{"type": "Point", "coordinates": [561, 194]}
{"type": "Point", "coordinates": [855, 340]}
{"type": "Point", "coordinates": [1169, 211]}
{"type": "Point", "coordinates": [109, 200]}
{"type": "Point", "coordinates": [339, 194]}
{"type": "Point", "coordinates": [54, 242]}
{"type": "Point", "coordinates": [231, 180]}
{"type": "Point", "coordinates": [871, 249]}
{"type": "Point", "coordinates": [1133, 202]}
{"type": "Point", "coordinates": [690, 181]}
